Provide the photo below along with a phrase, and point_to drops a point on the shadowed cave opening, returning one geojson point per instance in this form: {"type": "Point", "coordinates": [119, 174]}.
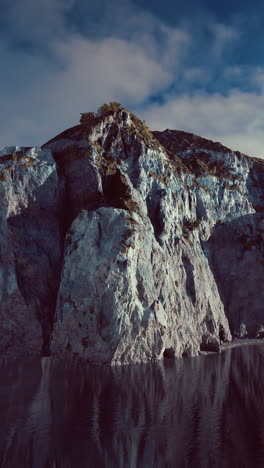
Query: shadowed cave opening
{"type": "Point", "coordinates": [169, 353]}
{"type": "Point", "coordinates": [115, 190]}
{"type": "Point", "coordinates": [154, 213]}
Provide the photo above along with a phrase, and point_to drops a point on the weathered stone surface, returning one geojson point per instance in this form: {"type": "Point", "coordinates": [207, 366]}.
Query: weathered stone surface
{"type": "Point", "coordinates": [236, 253]}
{"type": "Point", "coordinates": [120, 300]}
{"type": "Point", "coordinates": [163, 243]}
{"type": "Point", "coordinates": [30, 249]}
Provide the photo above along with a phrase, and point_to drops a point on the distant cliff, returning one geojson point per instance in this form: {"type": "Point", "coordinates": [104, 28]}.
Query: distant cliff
{"type": "Point", "coordinates": [119, 244]}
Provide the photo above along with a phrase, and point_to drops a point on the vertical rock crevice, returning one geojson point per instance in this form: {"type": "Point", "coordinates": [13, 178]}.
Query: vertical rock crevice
{"type": "Point", "coordinates": [155, 215]}
{"type": "Point", "coordinates": [190, 284]}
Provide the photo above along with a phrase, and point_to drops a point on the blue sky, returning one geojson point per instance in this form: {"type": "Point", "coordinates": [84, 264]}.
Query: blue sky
{"type": "Point", "coordinates": [197, 66]}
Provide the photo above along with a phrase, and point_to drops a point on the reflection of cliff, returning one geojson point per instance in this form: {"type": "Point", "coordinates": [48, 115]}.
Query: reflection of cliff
{"type": "Point", "coordinates": [27, 426]}
{"type": "Point", "coordinates": [201, 412]}
{"type": "Point", "coordinates": [243, 413]}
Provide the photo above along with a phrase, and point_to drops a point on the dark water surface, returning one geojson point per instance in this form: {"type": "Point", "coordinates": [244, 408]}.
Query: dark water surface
{"type": "Point", "coordinates": [200, 412]}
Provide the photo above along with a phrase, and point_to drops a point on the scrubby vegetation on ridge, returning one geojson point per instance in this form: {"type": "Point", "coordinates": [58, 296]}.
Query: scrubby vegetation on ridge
{"type": "Point", "coordinates": [87, 117]}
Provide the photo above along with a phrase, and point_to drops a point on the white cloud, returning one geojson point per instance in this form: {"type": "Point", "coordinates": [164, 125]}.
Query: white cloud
{"type": "Point", "coordinates": [87, 74]}
{"type": "Point", "coordinates": [112, 67]}
{"type": "Point", "coordinates": [235, 120]}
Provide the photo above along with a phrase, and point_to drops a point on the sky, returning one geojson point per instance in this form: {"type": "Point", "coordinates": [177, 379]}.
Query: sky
{"type": "Point", "coordinates": [196, 66]}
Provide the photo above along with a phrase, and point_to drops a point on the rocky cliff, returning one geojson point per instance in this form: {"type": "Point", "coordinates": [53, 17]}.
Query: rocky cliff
{"type": "Point", "coordinates": [120, 245]}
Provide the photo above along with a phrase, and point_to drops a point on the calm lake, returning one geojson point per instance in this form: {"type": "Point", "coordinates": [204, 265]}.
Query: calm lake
{"type": "Point", "coordinates": [200, 412]}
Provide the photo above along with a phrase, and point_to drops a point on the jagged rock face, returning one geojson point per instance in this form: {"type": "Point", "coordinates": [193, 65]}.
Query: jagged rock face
{"type": "Point", "coordinates": [154, 258]}
{"type": "Point", "coordinates": [236, 255]}
{"type": "Point", "coordinates": [30, 249]}
{"type": "Point", "coordinates": [130, 305]}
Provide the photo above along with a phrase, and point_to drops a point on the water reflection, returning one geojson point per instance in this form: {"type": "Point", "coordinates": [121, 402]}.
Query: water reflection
{"type": "Point", "coordinates": [201, 412]}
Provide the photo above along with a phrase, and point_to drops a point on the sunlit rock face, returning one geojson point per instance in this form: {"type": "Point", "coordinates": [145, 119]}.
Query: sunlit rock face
{"type": "Point", "coordinates": [161, 232]}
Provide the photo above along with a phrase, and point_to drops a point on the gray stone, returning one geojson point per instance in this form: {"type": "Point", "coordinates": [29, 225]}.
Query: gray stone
{"type": "Point", "coordinates": [123, 246]}
{"type": "Point", "coordinates": [30, 249]}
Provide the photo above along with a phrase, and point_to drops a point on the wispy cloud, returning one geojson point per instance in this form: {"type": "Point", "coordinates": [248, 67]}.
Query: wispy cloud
{"type": "Point", "coordinates": [235, 119]}
{"type": "Point", "coordinates": [223, 38]}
